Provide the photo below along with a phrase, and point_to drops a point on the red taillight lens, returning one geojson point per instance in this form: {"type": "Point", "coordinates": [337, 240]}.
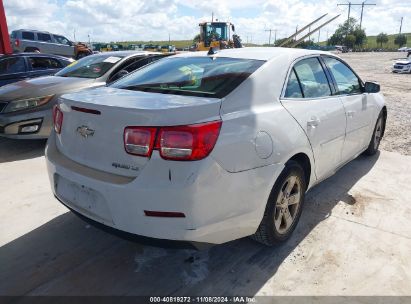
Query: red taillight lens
{"type": "Point", "coordinates": [17, 43]}
{"type": "Point", "coordinates": [57, 119]}
{"type": "Point", "coordinates": [192, 142]}
{"type": "Point", "coordinates": [139, 140]}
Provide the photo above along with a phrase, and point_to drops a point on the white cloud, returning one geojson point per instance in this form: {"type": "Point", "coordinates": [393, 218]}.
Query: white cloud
{"type": "Point", "coordinates": [119, 20]}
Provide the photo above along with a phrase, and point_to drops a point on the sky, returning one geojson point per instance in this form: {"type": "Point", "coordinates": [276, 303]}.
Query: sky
{"type": "Point", "coordinates": [132, 20]}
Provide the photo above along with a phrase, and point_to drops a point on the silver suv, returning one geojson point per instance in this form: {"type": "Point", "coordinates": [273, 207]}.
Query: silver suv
{"type": "Point", "coordinates": [45, 42]}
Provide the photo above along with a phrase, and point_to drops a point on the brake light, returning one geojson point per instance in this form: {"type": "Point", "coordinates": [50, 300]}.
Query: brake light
{"type": "Point", "coordinates": [17, 43]}
{"type": "Point", "coordinates": [186, 143]}
{"type": "Point", "coordinates": [193, 142]}
{"type": "Point", "coordinates": [139, 140]}
{"type": "Point", "coordinates": [57, 119]}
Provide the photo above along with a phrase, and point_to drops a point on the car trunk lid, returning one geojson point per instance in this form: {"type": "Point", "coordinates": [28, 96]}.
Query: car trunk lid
{"type": "Point", "coordinates": [94, 122]}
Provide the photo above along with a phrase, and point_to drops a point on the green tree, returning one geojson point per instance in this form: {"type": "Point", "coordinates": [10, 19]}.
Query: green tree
{"type": "Point", "coordinates": [345, 32]}
{"type": "Point", "coordinates": [279, 41]}
{"type": "Point", "coordinates": [349, 41]}
{"type": "Point", "coordinates": [382, 38]}
{"type": "Point", "coordinates": [400, 40]}
{"type": "Point", "coordinates": [196, 38]}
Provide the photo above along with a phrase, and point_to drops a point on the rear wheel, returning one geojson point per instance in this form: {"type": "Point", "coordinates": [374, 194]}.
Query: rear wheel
{"type": "Point", "coordinates": [284, 206]}
{"type": "Point", "coordinates": [376, 136]}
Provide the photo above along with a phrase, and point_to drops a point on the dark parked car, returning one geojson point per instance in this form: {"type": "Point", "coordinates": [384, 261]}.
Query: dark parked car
{"type": "Point", "coordinates": [18, 67]}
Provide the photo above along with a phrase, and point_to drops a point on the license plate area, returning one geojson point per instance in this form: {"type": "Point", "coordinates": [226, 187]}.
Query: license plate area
{"type": "Point", "coordinates": [83, 199]}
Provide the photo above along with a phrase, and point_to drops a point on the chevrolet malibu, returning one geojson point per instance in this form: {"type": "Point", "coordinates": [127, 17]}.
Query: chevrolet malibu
{"type": "Point", "coordinates": [212, 147]}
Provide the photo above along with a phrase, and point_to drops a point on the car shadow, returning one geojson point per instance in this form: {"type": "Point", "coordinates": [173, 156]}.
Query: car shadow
{"type": "Point", "coordinates": [66, 256]}
{"type": "Point", "coordinates": [19, 149]}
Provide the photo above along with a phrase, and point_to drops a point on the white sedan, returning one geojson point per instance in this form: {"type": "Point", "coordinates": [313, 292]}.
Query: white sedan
{"type": "Point", "coordinates": [212, 147]}
{"type": "Point", "coordinates": [402, 66]}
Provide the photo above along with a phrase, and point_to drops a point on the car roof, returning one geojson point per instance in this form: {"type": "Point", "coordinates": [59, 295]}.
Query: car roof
{"type": "Point", "coordinates": [35, 31]}
{"type": "Point", "coordinates": [257, 53]}
{"type": "Point", "coordinates": [35, 55]}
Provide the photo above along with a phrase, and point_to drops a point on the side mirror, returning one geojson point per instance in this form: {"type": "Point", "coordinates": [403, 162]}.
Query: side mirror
{"type": "Point", "coordinates": [232, 27]}
{"type": "Point", "coordinates": [371, 87]}
{"type": "Point", "coordinates": [119, 75]}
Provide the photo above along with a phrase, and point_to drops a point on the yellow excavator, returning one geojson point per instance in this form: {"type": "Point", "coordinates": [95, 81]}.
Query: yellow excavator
{"type": "Point", "coordinates": [217, 35]}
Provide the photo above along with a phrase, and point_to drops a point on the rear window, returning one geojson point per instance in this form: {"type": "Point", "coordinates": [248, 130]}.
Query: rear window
{"type": "Point", "coordinates": [194, 76]}
{"type": "Point", "coordinates": [27, 35]}
{"type": "Point", "coordinates": [43, 37]}
{"type": "Point", "coordinates": [93, 66]}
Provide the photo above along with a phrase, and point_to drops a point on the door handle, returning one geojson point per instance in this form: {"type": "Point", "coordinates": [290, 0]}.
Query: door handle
{"type": "Point", "coordinates": [350, 113]}
{"type": "Point", "coordinates": [313, 122]}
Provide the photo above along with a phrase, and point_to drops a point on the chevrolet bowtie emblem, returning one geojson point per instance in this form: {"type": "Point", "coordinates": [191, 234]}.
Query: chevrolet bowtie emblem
{"type": "Point", "coordinates": [85, 131]}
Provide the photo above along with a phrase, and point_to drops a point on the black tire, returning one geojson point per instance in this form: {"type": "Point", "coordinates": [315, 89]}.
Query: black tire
{"type": "Point", "coordinates": [376, 136]}
{"type": "Point", "coordinates": [267, 233]}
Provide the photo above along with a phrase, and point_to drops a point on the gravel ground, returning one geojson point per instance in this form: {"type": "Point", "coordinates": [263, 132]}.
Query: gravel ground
{"type": "Point", "coordinates": [397, 91]}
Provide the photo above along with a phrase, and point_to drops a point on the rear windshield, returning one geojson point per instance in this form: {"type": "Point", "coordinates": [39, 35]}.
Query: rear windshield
{"type": "Point", "coordinates": [194, 76]}
{"type": "Point", "coordinates": [93, 66]}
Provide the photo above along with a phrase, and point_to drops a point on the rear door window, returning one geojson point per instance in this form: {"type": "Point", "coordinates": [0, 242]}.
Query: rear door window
{"type": "Point", "coordinates": [12, 65]}
{"type": "Point", "coordinates": [293, 89]}
{"type": "Point", "coordinates": [347, 81]}
{"type": "Point", "coordinates": [313, 80]}
{"type": "Point", "coordinates": [43, 37]}
{"type": "Point", "coordinates": [27, 35]}
{"type": "Point", "coordinates": [44, 63]}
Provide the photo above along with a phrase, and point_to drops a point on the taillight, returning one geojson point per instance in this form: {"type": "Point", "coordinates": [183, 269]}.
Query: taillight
{"type": "Point", "coordinates": [139, 140]}
{"type": "Point", "coordinates": [17, 43]}
{"type": "Point", "coordinates": [57, 119]}
{"type": "Point", "coordinates": [192, 142]}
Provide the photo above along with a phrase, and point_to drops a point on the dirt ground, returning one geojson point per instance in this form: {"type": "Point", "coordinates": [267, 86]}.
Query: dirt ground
{"type": "Point", "coordinates": [354, 236]}
{"type": "Point", "coordinates": [397, 91]}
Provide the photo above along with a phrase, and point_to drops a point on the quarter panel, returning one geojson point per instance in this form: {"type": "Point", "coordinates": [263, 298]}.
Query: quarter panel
{"type": "Point", "coordinates": [236, 149]}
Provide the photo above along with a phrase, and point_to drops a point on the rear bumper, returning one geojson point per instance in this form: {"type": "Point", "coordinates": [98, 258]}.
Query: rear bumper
{"type": "Point", "coordinates": [11, 124]}
{"type": "Point", "coordinates": [218, 206]}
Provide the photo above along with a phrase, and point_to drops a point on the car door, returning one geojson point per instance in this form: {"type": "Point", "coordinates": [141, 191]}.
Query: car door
{"type": "Point", "coordinates": [309, 98]}
{"type": "Point", "coordinates": [358, 109]}
{"type": "Point", "coordinates": [65, 46]}
{"type": "Point", "coordinates": [12, 69]}
{"type": "Point", "coordinates": [45, 43]}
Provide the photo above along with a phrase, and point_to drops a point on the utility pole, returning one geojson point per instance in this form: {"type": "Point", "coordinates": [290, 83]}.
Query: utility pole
{"type": "Point", "coordinates": [402, 18]}
{"type": "Point", "coordinates": [349, 4]}
{"type": "Point", "coordinates": [269, 37]}
{"type": "Point", "coordinates": [362, 11]}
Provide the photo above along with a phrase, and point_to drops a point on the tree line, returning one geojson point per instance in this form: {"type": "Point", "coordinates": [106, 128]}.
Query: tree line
{"type": "Point", "coordinates": [352, 36]}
